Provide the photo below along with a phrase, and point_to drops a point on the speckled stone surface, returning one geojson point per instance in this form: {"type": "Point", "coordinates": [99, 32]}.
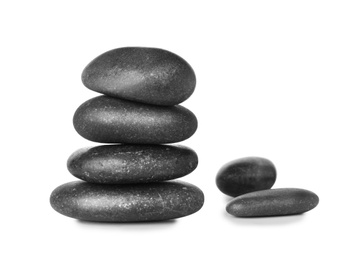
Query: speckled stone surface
{"type": "Point", "coordinates": [110, 120]}
{"type": "Point", "coordinates": [122, 164]}
{"type": "Point", "coordinates": [127, 203]}
{"type": "Point", "coordinates": [275, 202]}
{"type": "Point", "coordinates": [246, 175]}
{"type": "Point", "coordinates": [148, 75]}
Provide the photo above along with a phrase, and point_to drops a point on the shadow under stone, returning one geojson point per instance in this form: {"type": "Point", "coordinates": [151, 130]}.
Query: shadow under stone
{"type": "Point", "coordinates": [266, 220]}
{"type": "Point", "coordinates": [138, 223]}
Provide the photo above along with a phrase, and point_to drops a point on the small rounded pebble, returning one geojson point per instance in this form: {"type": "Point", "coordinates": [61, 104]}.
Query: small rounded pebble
{"type": "Point", "coordinates": [127, 203]}
{"type": "Point", "coordinates": [110, 120]}
{"type": "Point", "coordinates": [122, 164]}
{"type": "Point", "coordinates": [147, 75]}
{"type": "Point", "coordinates": [246, 175]}
{"type": "Point", "coordinates": [275, 202]}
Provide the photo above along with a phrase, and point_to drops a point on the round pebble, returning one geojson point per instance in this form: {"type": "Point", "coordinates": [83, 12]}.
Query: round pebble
{"type": "Point", "coordinates": [246, 175]}
{"type": "Point", "coordinates": [275, 202]}
{"type": "Point", "coordinates": [122, 164]}
{"type": "Point", "coordinates": [127, 203]}
{"type": "Point", "coordinates": [148, 75]}
{"type": "Point", "coordinates": [110, 120]}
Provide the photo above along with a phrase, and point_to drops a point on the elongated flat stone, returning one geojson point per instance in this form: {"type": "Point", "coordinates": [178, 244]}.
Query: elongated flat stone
{"type": "Point", "coordinates": [127, 203]}
{"type": "Point", "coordinates": [275, 202]}
{"type": "Point", "coordinates": [110, 120]}
{"type": "Point", "coordinates": [246, 175]}
{"type": "Point", "coordinates": [148, 75]}
{"type": "Point", "coordinates": [122, 164]}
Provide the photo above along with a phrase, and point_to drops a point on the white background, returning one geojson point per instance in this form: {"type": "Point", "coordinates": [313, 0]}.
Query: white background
{"type": "Point", "coordinates": [269, 81]}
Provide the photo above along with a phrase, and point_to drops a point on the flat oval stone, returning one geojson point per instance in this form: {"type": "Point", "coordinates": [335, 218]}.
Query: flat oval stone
{"type": "Point", "coordinates": [275, 202]}
{"type": "Point", "coordinates": [246, 175]}
{"type": "Point", "coordinates": [110, 120]}
{"type": "Point", "coordinates": [147, 75]}
{"type": "Point", "coordinates": [127, 203]}
{"type": "Point", "coordinates": [122, 164]}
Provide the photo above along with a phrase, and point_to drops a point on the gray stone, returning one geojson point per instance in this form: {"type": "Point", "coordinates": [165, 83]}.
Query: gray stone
{"type": "Point", "coordinates": [110, 120]}
{"type": "Point", "coordinates": [275, 202]}
{"type": "Point", "coordinates": [148, 75]}
{"type": "Point", "coordinates": [246, 175]}
{"type": "Point", "coordinates": [127, 203]}
{"type": "Point", "coordinates": [122, 164]}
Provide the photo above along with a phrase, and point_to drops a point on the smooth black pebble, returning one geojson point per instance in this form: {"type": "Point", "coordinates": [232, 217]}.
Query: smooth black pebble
{"type": "Point", "coordinates": [246, 175]}
{"type": "Point", "coordinates": [147, 75]}
{"type": "Point", "coordinates": [122, 164]}
{"type": "Point", "coordinates": [111, 120]}
{"type": "Point", "coordinates": [274, 202]}
{"type": "Point", "coordinates": [127, 203]}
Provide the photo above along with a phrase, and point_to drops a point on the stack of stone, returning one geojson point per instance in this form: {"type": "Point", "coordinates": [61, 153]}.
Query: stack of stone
{"type": "Point", "coordinates": [250, 179]}
{"type": "Point", "coordinates": [132, 180]}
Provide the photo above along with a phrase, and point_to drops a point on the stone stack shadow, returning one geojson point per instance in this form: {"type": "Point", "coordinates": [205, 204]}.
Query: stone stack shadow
{"type": "Point", "coordinates": [132, 178]}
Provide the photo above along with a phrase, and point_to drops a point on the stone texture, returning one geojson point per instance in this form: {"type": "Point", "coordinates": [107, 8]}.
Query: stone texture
{"type": "Point", "coordinates": [148, 75]}
{"type": "Point", "coordinates": [246, 175]}
{"type": "Point", "coordinates": [122, 164]}
{"type": "Point", "coordinates": [110, 120]}
{"type": "Point", "coordinates": [127, 203]}
{"type": "Point", "coordinates": [275, 202]}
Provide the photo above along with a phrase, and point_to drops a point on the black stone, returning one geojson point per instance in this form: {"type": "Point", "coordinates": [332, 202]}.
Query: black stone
{"type": "Point", "coordinates": [110, 120]}
{"type": "Point", "coordinates": [127, 203]}
{"type": "Point", "coordinates": [246, 175]}
{"type": "Point", "coordinates": [122, 164]}
{"type": "Point", "coordinates": [148, 75]}
{"type": "Point", "coordinates": [275, 202]}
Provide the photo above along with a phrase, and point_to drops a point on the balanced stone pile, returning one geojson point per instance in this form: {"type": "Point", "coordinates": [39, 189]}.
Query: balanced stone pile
{"type": "Point", "coordinates": [132, 180]}
{"type": "Point", "coordinates": [249, 180]}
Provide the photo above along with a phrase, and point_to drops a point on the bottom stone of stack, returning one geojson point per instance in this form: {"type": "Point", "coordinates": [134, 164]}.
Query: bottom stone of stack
{"type": "Point", "coordinates": [127, 203]}
{"type": "Point", "coordinates": [275, 202]}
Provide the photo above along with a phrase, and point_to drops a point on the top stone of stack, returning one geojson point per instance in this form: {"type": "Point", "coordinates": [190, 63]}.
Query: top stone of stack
{"type": "Point", "coordinates": [147, 75]}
